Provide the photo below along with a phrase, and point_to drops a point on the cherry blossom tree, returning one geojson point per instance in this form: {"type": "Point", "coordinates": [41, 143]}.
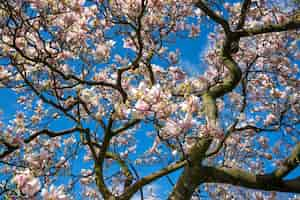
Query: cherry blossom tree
{"type": "Point", "coordinates": [95, 81]}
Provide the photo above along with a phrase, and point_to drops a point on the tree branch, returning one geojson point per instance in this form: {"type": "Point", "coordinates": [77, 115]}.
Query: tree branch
{"type": "Point", "coordinates": [124, 167]}
{"type": "Point", "coordinates": [152, 177]}
{"type": "Point", "coordinates": [126, 126]}
{"type": "Point", "coordinates": [190, 178]}
{"type": "Point", "coordinates": [217, 18]}
{"type": "Point", "coordinates": [290, 25]}
{"type": "Point", "coordinates": [11, 147]}
{"type": "Point", "coordinates": [289, 164]}
{"type": "Point", "coordinates": [245, 8]}
{"type": "Point", "coordinates": [239, 177]}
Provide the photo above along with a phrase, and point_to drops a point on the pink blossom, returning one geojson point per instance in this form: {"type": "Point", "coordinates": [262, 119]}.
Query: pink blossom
{"type": "Point", "coordinates": [4, 73]}
{"type": "Point", "coordinates": [32, 187]}
{"type": "Point", "coordinates": [154, 94]}
{"type": "Point", "coordinates": [263, 141]}
{"type": "Point", "coordinates": [227, 6]}
{"type": "Point", "coordinates": [282, 19]}
{"type": "Point", "coordinates": [195, 30]}
{"type": "Point", "coordinates": [160, 108]}
{"type": "Point", "coordinates": [267, 19]}
{"type": "Point", "coordinates": [173, 57]}
{"type": "Point", "coordinates": [155, 144]}
{"type": "Point", "coordinates": [121, 110]}
{"type": "Point", "coordinates": [20, 119]}
{"type": "Point", "coordinates": [198, 12]}
{"type": "Point", "coordinates": [102, 52]}
{"type": "Point", "coordinates": [129, 44]}
{"type": "Point", "coordinates": [172, 128]}
{"type": "Point", "coordinates": [33, 160]}
{"type": "Point", "coordinates": [270, 119]}
{"type": "Point", "coordinates": [157, 69]}
{"type": "Point", "coordinates": [22, 177]}
{"type": "Point", "coordinates": [38, 4]}
{"type": "Point", "coordinates": [27, 183]}
{"type": "Point", "coordinates": [177, 73]}
{"type": "Point", "coordinates": [187, 122]}
{"type": "Point", "coordinates": [191, 104]}
{"type": "Point", "coordinates": [142, 105]}
{"type": "Point", "coordinates": [54, 193]}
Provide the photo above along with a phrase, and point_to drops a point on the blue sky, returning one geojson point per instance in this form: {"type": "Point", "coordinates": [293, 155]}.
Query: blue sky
{"type": "Point", "coordinates": [191, 52]}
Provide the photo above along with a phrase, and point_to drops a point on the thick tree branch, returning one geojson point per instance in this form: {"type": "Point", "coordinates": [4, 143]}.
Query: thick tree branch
{"type": "Point", "coordinates": [231, 81]}
{"type": "Point", "coordinates": [269, 182]}
{"type": "Point", "coordinates": [289, 164]}
{"type": "Point", "coordinates": [239, 177]}
{"type": "Point", "coordinates": [190, 178]}
{"type": "Point", "coordinates": [290, 25]}
{"type": "Point", "coordinates": [98, 165]}
{"type": "Point", "coordinates": [186, 185]}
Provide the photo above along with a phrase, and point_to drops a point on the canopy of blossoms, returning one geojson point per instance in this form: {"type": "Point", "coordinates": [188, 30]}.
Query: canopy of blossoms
{"type": "Point", "coordinates": [103, 104]}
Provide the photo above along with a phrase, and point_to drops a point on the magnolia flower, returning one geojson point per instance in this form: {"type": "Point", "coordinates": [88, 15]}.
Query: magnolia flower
{"type": "Point", "coordinates": [129, 44]}
{"type": "Point", "coordinates": [198, 12]}
{"type": "Point", "coordinates": [62, 163]}
{"type": "Point", "coordinates": [33, 160]}
{"type": "Point", "coordinates": [70, 101]}
{"type": "Point", "coordinates": [177, 73]}
{"type": "Point", "coordinates": [91, 193]}
{"type": "Point", "coordinates": [154, 94]}
{"type": "Point", "coordinates": [27, 183]}
{"type": "Point", "coordinates": [32, 187]}
{"type": "Point", "coordinates": [187, 122]}
{"type": "Point", "coordinates": [195, 30]}
{"type": "Point", "coordinates": [121, 110]}
{"type": "Point", "coordinates": [4, 73]}
{"type": "Point", "coordinates": [161, 109]}
{"type": "Point", "coordinates": [173, 57]}
{"type": "Point", "coordinates": [66, 69]}
{"type": "Point", "coordinates": [88, 157]}
{"type": "Point", "coordinates": [155, 144]}
{"type": "Point", "coordinates": [191, 104]}
{"type": "Point", "coordinates": [54, 193]}
{"type": "Point", "coordinates": [157, 70]}
{"type": "Point", "coordinates": [172, 128]}
{"type": "Point", "coordinates": [263, 141]}
{"type": "Point", "coordinates": [227, 5]}
{"type": "Point", "coordinates": [270, 119]}
{"type": "Point", "coordinates": [20, 119]}
{"type": "Point", "coordinates": [69, 140]}
{"type": "Point", "coordinates": [282, 18]}
{"type": "Point", "coordinates": [17, 140]}
{"type": "Point", "coordinates": [142, 105]}
{"type": "Point", "coordinates": [189, 143]}
{"type": "Point", "coordinates": [199, 84]}
{"type": "Point", "coordinates": [267, 19]}
{"type": "Point", "coordinates": [21, 178]}
{"type": "Point", "coordinates": [103, 50]}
